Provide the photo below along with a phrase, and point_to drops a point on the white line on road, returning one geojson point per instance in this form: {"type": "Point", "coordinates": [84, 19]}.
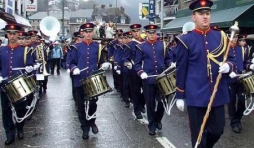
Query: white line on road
{"type": "Point", "coordinates": [165, 142]}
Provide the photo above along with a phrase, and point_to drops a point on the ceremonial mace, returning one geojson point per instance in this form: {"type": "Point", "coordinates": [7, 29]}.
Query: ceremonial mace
{"type": "Point", "coordinates": [233, 29]}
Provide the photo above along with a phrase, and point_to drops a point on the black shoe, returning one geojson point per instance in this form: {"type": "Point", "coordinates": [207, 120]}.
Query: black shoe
{"type": "Point", "coordinates": [9, 141]}
{"type": "Point", "coordinates": [20, 134]}
{"type": "Point", "coordinates": [94, 128]}
{"type": "Point", "coordinates": [159, 125]}
{"type": "Point", "coordinates": [152, 132]}
{"type": "Point", "coordinates": [85, 135]}
{"type": "Point", "coordinates": [139, 116]}
{"type": "Point", "coordinates": [127, 105]}
{"type": "Point", "coordinates": [44, 91]}
{"type": "Point", "coordinates": [236, 129]}
{"type": "Point", "coordinates": [58, 73]}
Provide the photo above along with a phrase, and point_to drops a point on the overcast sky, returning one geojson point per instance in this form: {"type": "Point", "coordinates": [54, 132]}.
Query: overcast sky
{"type": "Point", "coordinates": [131, 8]}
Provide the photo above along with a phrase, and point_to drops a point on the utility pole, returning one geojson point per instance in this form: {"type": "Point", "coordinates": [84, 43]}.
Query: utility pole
{"type": "Point", "coordinates": [162, 15]}
{"type": "Point", "coordinates": [116, 14]}
{"type": "Point", "coordinates": [63, 20]}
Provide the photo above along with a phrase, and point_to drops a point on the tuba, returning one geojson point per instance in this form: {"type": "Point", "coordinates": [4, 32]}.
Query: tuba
{"type": "Point", "coordinates": [50, 27]}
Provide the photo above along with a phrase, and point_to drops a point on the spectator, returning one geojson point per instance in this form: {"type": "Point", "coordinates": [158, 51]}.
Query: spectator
{"type": "Point", "coordinates": [102, 31]}
{"type": "Point", "coordinates": [57, 54]}
{"type": "Point", "coordinates": [109, 31]}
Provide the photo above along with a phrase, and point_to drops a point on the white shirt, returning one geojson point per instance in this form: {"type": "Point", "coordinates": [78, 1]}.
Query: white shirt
{"type": "Point", "coordinates": [109, 32]}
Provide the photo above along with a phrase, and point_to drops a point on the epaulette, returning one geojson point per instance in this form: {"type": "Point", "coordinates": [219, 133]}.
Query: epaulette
{"type": "Point", "coordinates": [73, 47]}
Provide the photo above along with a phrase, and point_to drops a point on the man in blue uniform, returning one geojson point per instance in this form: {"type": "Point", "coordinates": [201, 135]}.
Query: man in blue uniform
{"type": "Point", "coordinates": [12, 56]}
{"type": "Point", "coordinates": [86, 55]}
{"type": "Point", "coordinates": [199, 54]}
{"type": "Point", "coordinates": [136, 82]}
{"type": "Point", "coordinates": [151, 58]}
{"type": "Point", "coordinates": [236, 106]}
{"type": "Point", "coordinates": [122, 69]}
{"type": "Point", "coordinates": [111, 50]}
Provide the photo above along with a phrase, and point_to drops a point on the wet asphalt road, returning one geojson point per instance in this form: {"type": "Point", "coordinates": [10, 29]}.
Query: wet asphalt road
{"type": "Point", "coordinates": [55, 124]}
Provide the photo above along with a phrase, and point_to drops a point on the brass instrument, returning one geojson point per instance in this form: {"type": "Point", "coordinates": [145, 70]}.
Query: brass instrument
{"type": "Point", "coordinates": [40, 57]}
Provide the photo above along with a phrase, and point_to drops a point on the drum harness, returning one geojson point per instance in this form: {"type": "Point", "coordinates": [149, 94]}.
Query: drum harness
{"type": "Point", "coordinates": [30, 108]}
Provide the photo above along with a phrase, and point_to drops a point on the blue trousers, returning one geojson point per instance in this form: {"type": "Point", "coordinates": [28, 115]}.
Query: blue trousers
{"type": "Point", "coordinates": [214, 125]}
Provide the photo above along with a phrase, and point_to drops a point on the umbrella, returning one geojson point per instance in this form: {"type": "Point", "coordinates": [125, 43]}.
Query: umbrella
{"type": "Point", "coordinates": [2, 24]}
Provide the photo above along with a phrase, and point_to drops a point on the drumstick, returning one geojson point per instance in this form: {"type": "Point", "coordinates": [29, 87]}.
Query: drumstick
{"type": "Point", "coordinates": [152, 76]}
{"type": "Point", "coordinates": [84, 69]}
{"type": "Point", "coordinates": [18, 68]}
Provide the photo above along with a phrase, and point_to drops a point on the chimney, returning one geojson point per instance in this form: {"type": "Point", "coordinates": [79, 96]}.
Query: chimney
{"type": "Point", "coordinates": [110, 5]}
{"type": "Point", "coordinates": [94, 6]}
{"type": "Point", "coordinates": [122, 9]}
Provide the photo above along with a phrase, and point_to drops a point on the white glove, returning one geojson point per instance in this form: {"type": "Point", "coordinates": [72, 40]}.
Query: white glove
{"type": "Point", "coordinates": [144, 75]}
{"type": "Point", "coordinates": [129, 66]}
{"type": "Point", "coordinates": [173, 65]}
{"type": "Point", "coordinates": [76, 71]}
{"type": "Point", "coordinates": [115, 67]}
{"type": "Point", "coordinates": [252, 61]}
{"type": "Point", "coordinates": [68, 71]}
{"type": "Point", "coordinates": [252, 66]}
{"type": "Point", "coordinates": [29, 69]}
{"type": "Point", "coordinates": [180, 104]}
{"type": "Point", "coordinates": [224, 68]}
{"type": "Point", "coordinates": [233, 75]}
{"type": "Point", "coordinates": [105, 66]}
{"type": "Point", "coordinates": [118, 72]}
{"type": "Point", "coordinates": [1, 79]}
{"type": "Point", "coordinates": [36, 66]}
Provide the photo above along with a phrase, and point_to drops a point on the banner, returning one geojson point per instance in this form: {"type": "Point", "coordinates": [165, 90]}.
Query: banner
{"type": "Point", "coordinates": [143, 11]}
{"type": "Point", "coordinates": [31, 5]}
{"type": "Point", "coordinates": [151, 10]}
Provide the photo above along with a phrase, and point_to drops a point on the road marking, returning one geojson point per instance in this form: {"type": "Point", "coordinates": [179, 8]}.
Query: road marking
{"type": "Point", "coordinates": [165, 142]}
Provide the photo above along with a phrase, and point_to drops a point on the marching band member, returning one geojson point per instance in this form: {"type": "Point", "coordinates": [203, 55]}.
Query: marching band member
{"type": "Point", "coordinates": [151, 58]}
{"type": "Point", "coordinates": [86, 55]}
{"type": "Point", "coordinates": [136, 82]}
{"type": "Point", "coordinates": [123, 70]}
{"type": "Point", "coordinates": [111, 49]}
{"type": "Point", "coordinates": [12, 56]}
{"type": "Point", "coordinates": [199, 54]}
{"type": "Point", "coordinates": [236, 106]}
{"type": "Point", "coordinates": [21, 38]}
{"type": "Point", "coordinates": [118, 49]}
{"type": "Point", "coordinates": [77, 38]}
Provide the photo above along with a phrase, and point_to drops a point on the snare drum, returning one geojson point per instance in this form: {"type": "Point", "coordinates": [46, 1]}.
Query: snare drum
{"type": "Point", "coordinates": [95, 85]}
{"type": "Point", "coordinates": [17, 88]}
{"type": "Point", "coordinates": [248, 83]}
{"type": "Point", "coordinates": [31, 82]}
{"type": "Point", "coordinates": [167, 83]}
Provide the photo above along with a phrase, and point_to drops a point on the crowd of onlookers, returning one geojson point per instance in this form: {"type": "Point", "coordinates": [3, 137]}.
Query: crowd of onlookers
{"type": "Point", "coordinates": [104, 30]}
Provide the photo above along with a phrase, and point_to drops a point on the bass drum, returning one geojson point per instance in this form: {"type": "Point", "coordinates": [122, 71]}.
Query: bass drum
{"type": "Point", "coordinates": [95, 85]}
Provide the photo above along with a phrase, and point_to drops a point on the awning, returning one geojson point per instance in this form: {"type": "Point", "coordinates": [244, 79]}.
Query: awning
{"type": "Point", "coordinates": [7, 17]}
{"type": "Point", "coordinates": [223, 18]}
{"type": "Point", "coordinates": [22, 21]}
{"type": "Point", "coordinates": [2, 23]}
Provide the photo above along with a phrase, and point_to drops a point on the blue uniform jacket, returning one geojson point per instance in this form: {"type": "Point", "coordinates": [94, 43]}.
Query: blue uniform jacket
{"type": "Point", "coordinates": [118, 49]}
{"type": "Point", "coordinates": [152, 58]}
{"type": "Point", "coordinates": [15, 57]}
{"type": "Point", "coordinates": [130, 52]}
{"type": "Point", "coordinates": [86, 55]}
{"type": "Point", "coordinates": [241, 57]}
{"type": "Point", "coordinates": [111, 48]}
{"type": "Point", "coordinates": [192, 78]}
{"type": "Point", "coordinates": [68, 57]}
